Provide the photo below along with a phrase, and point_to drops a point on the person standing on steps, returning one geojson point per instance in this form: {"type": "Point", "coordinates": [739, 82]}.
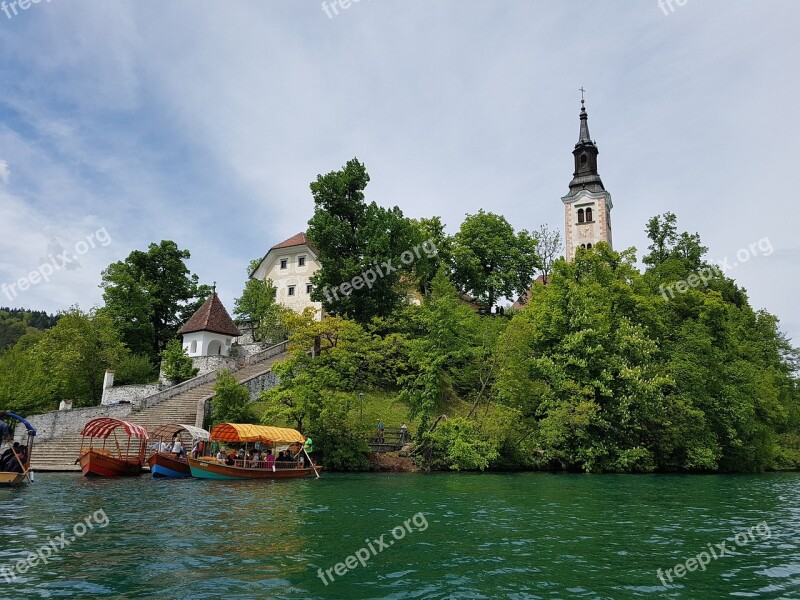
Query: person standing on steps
{"type": "Point", "coordinates": [403, 433]}
{"type": "Point", "coordinates": [380, 431]}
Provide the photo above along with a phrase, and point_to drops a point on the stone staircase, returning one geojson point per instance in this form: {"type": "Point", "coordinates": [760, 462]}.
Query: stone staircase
{"type": "Point", "coordinates": [60, 453]}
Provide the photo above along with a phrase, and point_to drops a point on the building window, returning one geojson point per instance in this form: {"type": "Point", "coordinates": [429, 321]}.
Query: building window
{"type": "Point", "coordinates": [309, 288]}
{"type": "Point", "coordinates": [291, 290]}
{"type": "Point", "coordinates": [588, 246]}
{"type": "Point", "coordinates": [283, 263]}
{"type": "Point", "coordinates": [193, 347]}
{"type": "Point", "coordinates": [584, 159]}
{"type": "Point", "coordinates": [301, 261]}
{"type": "Point", "coordinates": [581, 218]}
{"type": "Point", "coordinates": [588, 215]}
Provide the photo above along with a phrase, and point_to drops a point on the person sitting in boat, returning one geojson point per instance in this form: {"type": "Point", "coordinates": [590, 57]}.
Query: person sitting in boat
{"type": "Point", "coordinates": [269, 462]}
{"type": "Point", "coordinates": [7, 459]}
{"type": "Point", "coordinates": [14, 464]}
{"type": "Point", "coordinates": [164, 446]}
{"type": "Point", "coordinates": [221, 455]}
{"type": "Point", "coordinates": [232, 458]}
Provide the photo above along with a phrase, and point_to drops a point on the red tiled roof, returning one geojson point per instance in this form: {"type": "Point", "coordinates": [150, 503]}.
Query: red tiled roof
{"type": "Point", "coordinates": [298, 239]}
{"type": "Point", "coordinates": [212, 317]}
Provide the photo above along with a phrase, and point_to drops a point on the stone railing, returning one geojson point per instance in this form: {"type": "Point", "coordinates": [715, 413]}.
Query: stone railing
{"type": "Point", "coordinates": [258, 357]}
{"type": "Point", "coordinates": [66, 422]}
{"type": "Point", "coordinates": [175, 390]}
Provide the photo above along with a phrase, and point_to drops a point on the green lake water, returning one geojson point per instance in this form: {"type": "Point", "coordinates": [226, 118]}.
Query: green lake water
{"type": "Point", "coordinates": [518, 536]}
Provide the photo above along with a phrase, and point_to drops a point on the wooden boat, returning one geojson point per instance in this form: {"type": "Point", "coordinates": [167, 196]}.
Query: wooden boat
{"type": "Point", "coordinates": [233, 433]}
{"type": "Point", "coordinates": [16, 457]}
{"type": "Point", "coordinates": [167, 464]}
{"type": "Point", "coordinates": [118, 461]}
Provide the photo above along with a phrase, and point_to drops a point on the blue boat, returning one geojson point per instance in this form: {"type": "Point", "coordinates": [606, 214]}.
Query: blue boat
{"type": "Point", "coordinates": [168, 464]}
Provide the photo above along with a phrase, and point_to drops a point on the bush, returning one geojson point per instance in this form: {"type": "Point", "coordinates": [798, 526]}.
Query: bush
{"type": "Point", "coordinates": [459, 444]}
{"type": "Point", "coordinates": [176, 364]}
{"type": "Point", "coordinates": [231, 402]}
{"type": "Point", "coordinates": [134, 369]}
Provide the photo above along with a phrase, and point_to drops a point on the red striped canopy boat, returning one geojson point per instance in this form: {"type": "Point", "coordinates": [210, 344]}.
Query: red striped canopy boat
{"type": "Point", "coordinates": [124, 458]}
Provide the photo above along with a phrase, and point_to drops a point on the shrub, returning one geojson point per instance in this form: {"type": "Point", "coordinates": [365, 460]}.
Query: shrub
{"type": "Point", "coordinates": [175, 363]}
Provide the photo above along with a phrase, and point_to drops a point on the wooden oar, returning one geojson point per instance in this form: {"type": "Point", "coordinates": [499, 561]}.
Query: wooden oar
{"type": "Point", "coordinates": [311, 462]}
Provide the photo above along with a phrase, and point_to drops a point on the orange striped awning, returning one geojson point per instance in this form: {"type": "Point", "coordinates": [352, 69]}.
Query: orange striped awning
{"type": "Point", "coordinates": [235, 432]}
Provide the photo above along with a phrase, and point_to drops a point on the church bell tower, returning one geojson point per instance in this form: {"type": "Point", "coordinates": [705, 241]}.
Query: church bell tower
{"type": "Point", "coordinates": [587, 206]}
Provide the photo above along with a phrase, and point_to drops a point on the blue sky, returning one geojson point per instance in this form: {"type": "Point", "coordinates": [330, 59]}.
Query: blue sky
{"type": "Point", "coordinates": [205, 122]}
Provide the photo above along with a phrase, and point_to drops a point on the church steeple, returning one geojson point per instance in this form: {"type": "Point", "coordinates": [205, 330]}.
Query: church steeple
{"type": "Point", "coordinates": [586, 176]}
{"type": "Point", "coordinates": [587, 205]}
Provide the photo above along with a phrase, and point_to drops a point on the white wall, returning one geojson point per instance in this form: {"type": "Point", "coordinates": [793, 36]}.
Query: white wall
{"type": "Point", "coordinates": [200, 342]}
{"type": "Point", "coordinates": [292, 275]}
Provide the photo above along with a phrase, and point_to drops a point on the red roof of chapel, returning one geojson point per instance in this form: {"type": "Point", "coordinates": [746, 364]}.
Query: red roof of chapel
{"type": "Point", "coordinates": [212, 317]}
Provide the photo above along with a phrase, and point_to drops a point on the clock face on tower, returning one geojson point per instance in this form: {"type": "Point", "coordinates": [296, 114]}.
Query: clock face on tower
{"type": "Point", "coordinates": [586, 231]}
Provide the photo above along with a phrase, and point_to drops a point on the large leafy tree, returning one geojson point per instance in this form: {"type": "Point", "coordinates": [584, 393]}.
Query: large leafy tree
{"type": "Point", "coordinates": [491, 261]}
{"type": "Point", "coordinates": [257, 306]}
{"type": "Point", "coordinates": [356, 242]}
{"type": "Point", "coordinates": [150, 294]}
{"type": "Point", "coordinates": [579, 364]}
{"type": "Point", "coordinates": [65, 362]}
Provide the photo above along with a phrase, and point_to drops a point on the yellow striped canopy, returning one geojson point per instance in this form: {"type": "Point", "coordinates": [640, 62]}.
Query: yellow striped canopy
{"type": "Point", "coordinates": [235, 432]}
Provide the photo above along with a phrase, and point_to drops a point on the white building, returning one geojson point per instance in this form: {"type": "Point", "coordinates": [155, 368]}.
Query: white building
{"type": "Point", "coordinates": [290, 266]}
{"type": "Point", "coordinates": [210, 331]}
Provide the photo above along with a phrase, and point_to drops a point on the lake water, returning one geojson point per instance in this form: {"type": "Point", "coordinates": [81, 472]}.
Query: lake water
{"type": "Point", "coordinates": [518, 536]}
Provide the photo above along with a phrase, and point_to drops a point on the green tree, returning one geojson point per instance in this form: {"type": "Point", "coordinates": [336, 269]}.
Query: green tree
{"type": "Point", "coordinates": [175, 362]}
{"type": "Point", "coordinates": [491, 261]}
{"type": "Point", "coordinates": [360, 247]}
{"type": "Point", "coordinates": [580, 367]}
{"type": "Point", "coordinates": [150, 294]}
{"type": "Point", "coordinates": [231, 402]}
{"type": "Point", "coordinates": [258, 307]}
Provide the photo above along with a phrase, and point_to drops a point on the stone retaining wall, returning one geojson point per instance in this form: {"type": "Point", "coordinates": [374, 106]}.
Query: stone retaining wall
{"type": "Point", "coordinates": [66, 422]}
{"type": "Point", "coordinates": [133, 394]}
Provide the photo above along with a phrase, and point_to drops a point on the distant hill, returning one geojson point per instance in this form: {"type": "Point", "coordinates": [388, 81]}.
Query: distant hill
{"type": "Point", "coordinates": [16, 322]}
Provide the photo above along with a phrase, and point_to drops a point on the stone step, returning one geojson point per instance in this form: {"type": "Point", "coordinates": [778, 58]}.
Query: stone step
{"type": "Point", "coordinates": [60, 453]}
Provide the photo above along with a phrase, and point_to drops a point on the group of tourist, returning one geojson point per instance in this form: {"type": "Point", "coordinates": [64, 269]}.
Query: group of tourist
{"type": "Point", "coordinates": [256, 460]}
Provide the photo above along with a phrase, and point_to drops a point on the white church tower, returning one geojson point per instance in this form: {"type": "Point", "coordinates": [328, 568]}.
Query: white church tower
{"type": "Point", "coordinates": [587, 206]}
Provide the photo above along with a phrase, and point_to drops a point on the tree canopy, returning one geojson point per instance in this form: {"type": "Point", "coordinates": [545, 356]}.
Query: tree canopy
{"type": "Point", "coordinates": [150, 295]}
{"type": "Point", "coordinates": [490, 260]}
{"type": "Point", "coordinates": [360, 247]}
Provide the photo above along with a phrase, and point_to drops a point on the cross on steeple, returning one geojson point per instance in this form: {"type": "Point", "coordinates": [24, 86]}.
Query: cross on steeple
{"type": "Point", "coordinates": [583, 91]}
{"type": "Point", "coordinates": [214, 288]}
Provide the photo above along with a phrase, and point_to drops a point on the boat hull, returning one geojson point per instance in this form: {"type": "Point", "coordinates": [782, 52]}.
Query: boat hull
{"type": "Point", "coordinates": [10, 479]}
{"type": "Point", "coordinates": [205, 469]}
{"type": "Point", "coordinates": [97, 464]}
{"type": "Point", "coordinates": [166, 465]}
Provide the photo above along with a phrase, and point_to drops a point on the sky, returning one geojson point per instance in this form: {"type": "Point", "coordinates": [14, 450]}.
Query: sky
{"type": "Point", "coordinates": [125, 123]}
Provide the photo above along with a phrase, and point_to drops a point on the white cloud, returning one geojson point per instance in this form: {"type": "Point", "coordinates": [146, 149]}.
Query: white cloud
{"type": "Point", "coordinates": [5, 172]}
{"type": "Point", "coordinates": [188, 122]}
